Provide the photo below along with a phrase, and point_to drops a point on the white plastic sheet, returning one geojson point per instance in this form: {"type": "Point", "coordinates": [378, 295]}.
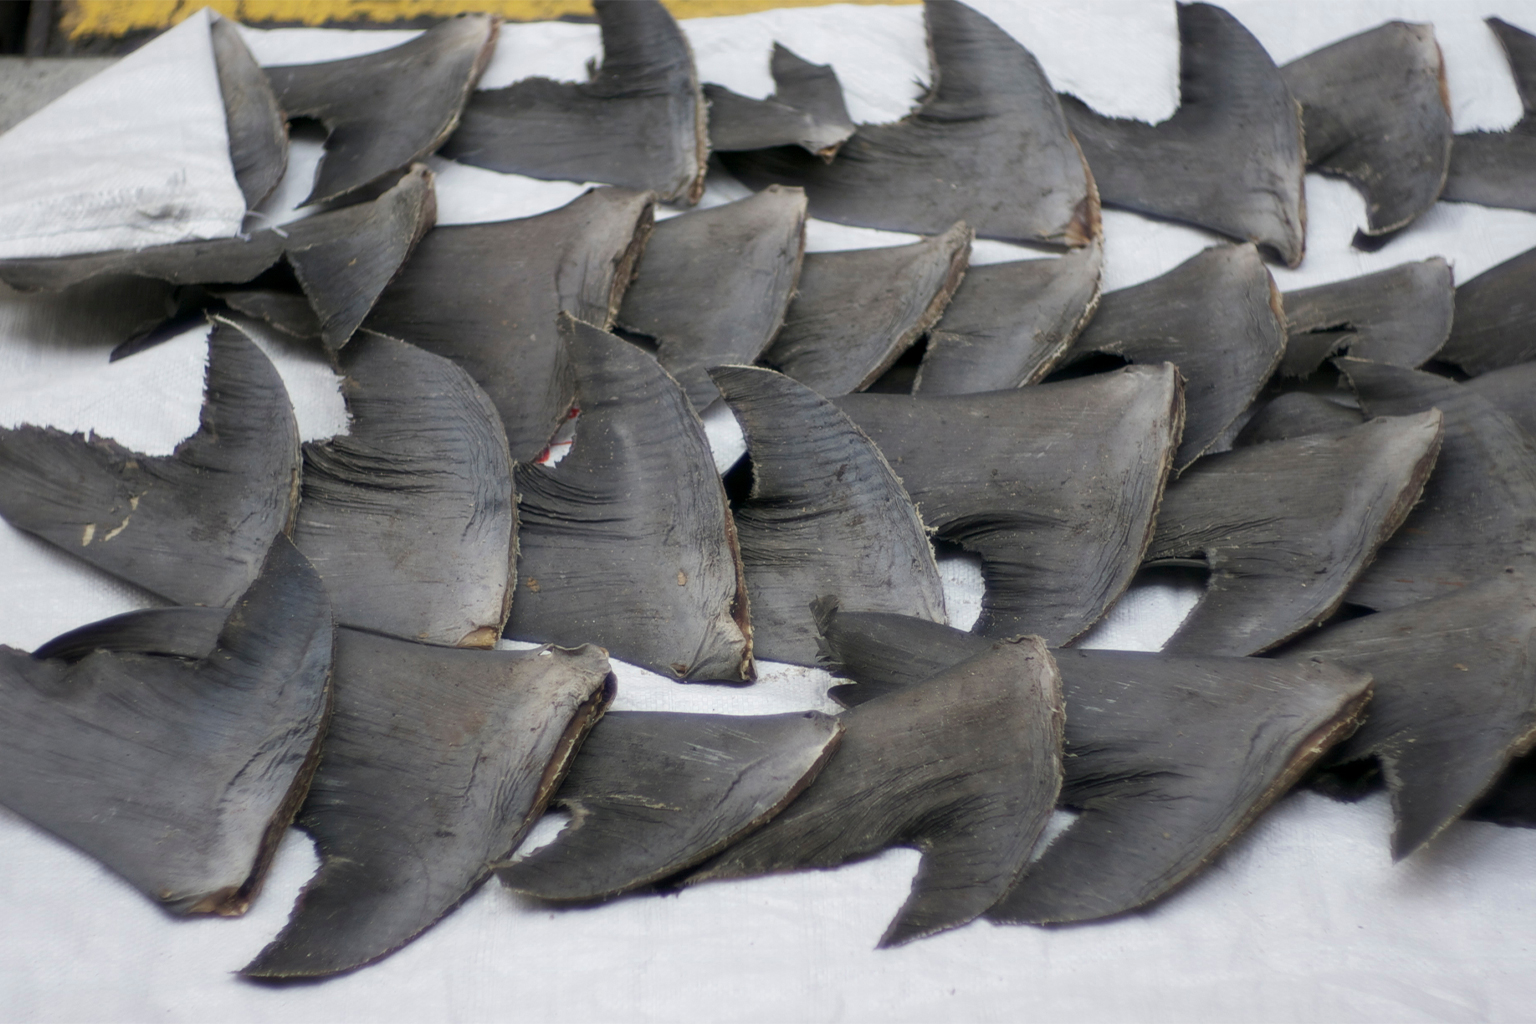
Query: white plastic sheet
{"type": "Point", "coordinates": [1303, 918]}
{"type": "Point", "coordinates": [136, 156]}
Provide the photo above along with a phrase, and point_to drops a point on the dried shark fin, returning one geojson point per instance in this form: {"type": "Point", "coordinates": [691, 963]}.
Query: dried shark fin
{"type": "Point", "coordinates": [345, 261]}
{"type": "Point", "coordinates": [1230, 159]}
{"type": "Point", "coordinates": [181, 632]}
{"type": "Point", "coordinates": [1509, 390]}
{"type": "Point", "coordinates": [712, 286]}
{"type": "Point", "coordinates": [854, 313]}
{"type": "Point", "coordinates": [197, 262]}
{"type": "Point", "coordinates": [826, 515]}
{"type": "Point", "coordinates": [805, 110]}
{"type": "Point", "coordinates": [884, 653]}
{"type": "Point", "coordinates": [1216, 316]}
{"type": "Point", "coordinates": [487, 296]}
{"type": "Point", "coordinates": [1158, 805]}
{"type": "Point", "coordinates": [639, 121]}
{"type": "Point", "coordinates": [1375, 110]}
{"type": "Point", "coordinates": [342, 258]}
{"type": "Point", "coordinates": [284, 311]}
{"type": "Point", "coordinates": [28, 84]}
{"type": "Point", "coordinates": [627, 541]}
{"type": "Point", "coordinates": [989, 122]}
{"type": "Point", "coordinates": [1401, 315]}
{"type": "Point", "coordinates": [184, 308]}
{"type": "Point", "coordinates": [410, 517]}
{"type": "Point", "coordinates": [1055, 486]}
{"type": "Point", "coordinates": [437, 763]}
{"type": "Point", "coordinates": [1496, 168]}
{"type": "Point", "coordinates": [966, 767]}
{"type": "Point", "coordinates": [179, 773]}
{"type": "Point", "coordinates": [105, 312]}
{"type": "Point", "coordinates": [652, 794]}
{"type": "Point", "coordinates": [1478, 514]}
{"type": "Point", "coordinates": [1455, 697]}
{"type": "Point", "coordinates": [384, 111]}
{"type": "Point", "coordinates": [193, 526]}
{"type": "Point", "coordinates": [1286, 527]}
{"type": "Point", "coordinates": [258, 133]}
{"type": "Point", "coordinates": [1296, 414]}
{"type": "Point", "coordinates": [1167, 758]}
{"type": "Point", "coordinates": [1010, 323]}
{"type": "Point", "coordinates": [1495, 317]}
{"type": "Point", "coordinates": [388, 225]}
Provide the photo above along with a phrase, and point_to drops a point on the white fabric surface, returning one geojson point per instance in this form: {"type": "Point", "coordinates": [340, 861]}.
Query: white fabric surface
{"type": "Point", "coordinates": [135, 156]}
{"type": "Point", "coordinates": [1303, 918]}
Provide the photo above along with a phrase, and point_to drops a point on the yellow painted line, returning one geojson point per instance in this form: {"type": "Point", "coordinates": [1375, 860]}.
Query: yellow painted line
{"type": "Point", "coordinates": [86, 18]}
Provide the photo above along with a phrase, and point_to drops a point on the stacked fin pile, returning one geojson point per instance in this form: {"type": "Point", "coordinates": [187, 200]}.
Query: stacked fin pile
{"type": "Point", "coordinates": [1351, 466]}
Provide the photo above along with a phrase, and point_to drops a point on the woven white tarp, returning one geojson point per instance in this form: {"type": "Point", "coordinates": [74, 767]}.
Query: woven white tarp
{"type": "Point", "coordinates": [1303, 918]}
{"type": "Point", "coordinates": [136, 156]}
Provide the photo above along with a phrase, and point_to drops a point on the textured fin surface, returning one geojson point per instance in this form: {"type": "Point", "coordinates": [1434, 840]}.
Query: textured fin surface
{"type": "Point", "coordinates": [1499, 168]}
{"type": "Point", "coordinates": [410, 517]}
{"type": "Point", "coordinates": [966, 767]}
{"type": "Point", "coordinates": [184, 632]}
{"type": "Point", "coordinates": [218, 259]}
{"type": "Point", "coordinates": [1375, 109]}
{"type": "Point", "coordinates": [1296, 414]}
{"type": "Point", "coordinates": [437, 763]}
{"type": "Point", "coordinates": [107, 312]}
{"type": "Point", "coordinates": [1172, 758]}
{"type": "Point", "coordinates": [627, 541]}
{"type": "Point", "coordinates": [1509, 390]}
{"type": "Point", "coordinates": [193, 526]}
{"type": "Point", "coordinates": [712, 286]}
{"type": "Point", "coordinates": [387, 110]}
{"type": "Point", "coordinates": [487, 296]}
{"type": "Point", "coordinates": [1054, 486]}
{"type": "Point", "coordinates": [651, 794]}
{"type": "Point", "coordinates": [1478, 513]}
{"type": "Point", "coordinates": [344, 262]}
{"type": "Point", "coordinates": [1010, 323]}
{"type": "Point", "coordinates": [1231, 158]}
{"type": "Point", "coordinates": [1401, 315]}
{"type": "Point", "coordinates": [179, 773]}
{"type": "Point", "coordinates": [826, 515]}
{"type": "Point", "coordinates": [884, 653]}
{"type": "Point", "coordinates": [989, 123]}
{"type": "Point", "coordinates": [1286, 527]}
{"type": "Point", "coordinates": [854, 313]}
{"type": "Point", "coordinates": [258, 134]}
{"type": "Point", "coordinates": [1455, 697]}
{"type": "Point", "coordinates": [1167, 758]}
{"type": "Point", "coordinates": [342, 259]}
{"type": "Point", "coordinates": [1495, 318]}
{"type": "Point", "coordinates": [639, 121]}
{"type": "Point", "coordinates": [1216, 316]}
{"type": "Point", "coordinates": [281, 310]}
{"type": "Point", "coordinates": [805, 110]}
